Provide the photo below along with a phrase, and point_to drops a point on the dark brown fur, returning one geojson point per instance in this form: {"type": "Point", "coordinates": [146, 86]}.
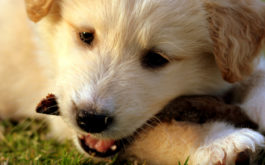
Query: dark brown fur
{"type": "Point", "coordinates": [202, 109]}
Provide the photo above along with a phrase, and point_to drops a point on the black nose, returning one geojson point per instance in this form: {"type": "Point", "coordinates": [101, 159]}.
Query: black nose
{"type": "Point", "coordinates": [91, 122]}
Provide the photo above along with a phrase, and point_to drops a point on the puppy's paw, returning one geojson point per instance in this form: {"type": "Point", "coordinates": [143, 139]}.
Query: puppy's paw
{"type": "Point", "coordinates": [225, 150]}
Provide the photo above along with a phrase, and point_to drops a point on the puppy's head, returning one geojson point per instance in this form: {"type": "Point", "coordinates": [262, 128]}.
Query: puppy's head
{"type": "Point", "coordinates": [118, 62]}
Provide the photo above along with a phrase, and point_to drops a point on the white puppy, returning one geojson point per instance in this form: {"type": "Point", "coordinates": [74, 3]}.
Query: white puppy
{"type": "Point", "coordinates": [113, 64]}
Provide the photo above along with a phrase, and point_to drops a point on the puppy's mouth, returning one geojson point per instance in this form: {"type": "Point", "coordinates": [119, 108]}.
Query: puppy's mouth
{"type": "Point", "coordinates": [100, 147]}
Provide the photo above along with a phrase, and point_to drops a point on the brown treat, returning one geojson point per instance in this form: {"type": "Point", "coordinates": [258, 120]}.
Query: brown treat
{"type": "Point", "coordinates": [202, 109]}
{"type": "Point", "coordinates": [48, 106]}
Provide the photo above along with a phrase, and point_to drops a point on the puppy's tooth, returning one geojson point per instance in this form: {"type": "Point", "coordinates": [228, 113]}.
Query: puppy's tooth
{"type": "Point", "coordinates": [81, 137]}
{"type": "Point", "coordinates": [113, 147]}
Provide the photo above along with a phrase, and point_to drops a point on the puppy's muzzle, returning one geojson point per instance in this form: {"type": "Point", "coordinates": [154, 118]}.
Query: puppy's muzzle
{"type": "Point", "coordinates": [92, 122]}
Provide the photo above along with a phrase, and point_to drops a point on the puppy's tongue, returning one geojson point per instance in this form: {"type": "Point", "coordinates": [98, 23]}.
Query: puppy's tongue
{"type": "Point", "coordinates": [98, 144]}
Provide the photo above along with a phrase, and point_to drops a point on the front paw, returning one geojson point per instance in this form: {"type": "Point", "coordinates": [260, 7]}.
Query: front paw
{"type": "Point", "coordinates": [225, 150]}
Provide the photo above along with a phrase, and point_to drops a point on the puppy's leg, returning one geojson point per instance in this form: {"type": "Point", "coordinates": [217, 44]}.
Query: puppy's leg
{"type": "Point", "coordinates": [223, 143]}
{"type": "Point", "coordinates": [208, 144]}
{"type": "Point", "coordinates": [166, 143]}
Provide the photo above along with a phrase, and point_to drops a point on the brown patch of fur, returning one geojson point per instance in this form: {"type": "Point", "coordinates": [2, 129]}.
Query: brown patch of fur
{"type": "Point", "coordinates": [36, 9]}
{"type": "Point", "coordinates": [237, 29]}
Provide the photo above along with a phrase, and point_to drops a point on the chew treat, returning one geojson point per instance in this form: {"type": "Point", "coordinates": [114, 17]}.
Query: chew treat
{"type": "Point", "coordinates": [48, 106]}
{"type": "Point", "coordinates": [202, 109]}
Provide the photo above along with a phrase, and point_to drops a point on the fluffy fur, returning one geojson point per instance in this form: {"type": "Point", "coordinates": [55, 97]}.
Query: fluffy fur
{"type": "Point", "coordinates": [204, 40]}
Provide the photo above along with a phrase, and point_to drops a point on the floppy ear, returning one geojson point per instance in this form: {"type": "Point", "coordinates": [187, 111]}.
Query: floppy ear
{"type": "Point", "coordinates": [37, 9]}
{"type": "Point", "coordinates": [237, 29]}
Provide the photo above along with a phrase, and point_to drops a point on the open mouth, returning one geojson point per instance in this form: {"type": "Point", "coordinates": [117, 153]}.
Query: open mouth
{"type": "Point", "coordinates": [99, 147]}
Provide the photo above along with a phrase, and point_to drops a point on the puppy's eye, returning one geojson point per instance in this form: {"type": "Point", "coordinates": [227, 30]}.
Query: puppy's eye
{"type": "Point", "coordinates": [153, 60]}
{"type": "Point", "coordinates": [86, 37]}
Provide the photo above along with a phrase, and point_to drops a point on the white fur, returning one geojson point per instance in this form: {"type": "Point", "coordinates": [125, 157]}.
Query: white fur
{"type": "Point", "coordinates": [253, 102]}
{"type": "Point", "coordinates": [224, 143]}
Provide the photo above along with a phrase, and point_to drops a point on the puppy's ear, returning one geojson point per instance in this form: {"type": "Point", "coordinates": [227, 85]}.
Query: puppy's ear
{"type": "Point", "coordinates": [37, 9]}
{"type": "Point", "coordinates": [237, 29]}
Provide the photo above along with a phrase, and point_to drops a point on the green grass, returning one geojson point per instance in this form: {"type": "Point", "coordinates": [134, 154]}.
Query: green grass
{"type": "Point", "coordinates": [186, 162]}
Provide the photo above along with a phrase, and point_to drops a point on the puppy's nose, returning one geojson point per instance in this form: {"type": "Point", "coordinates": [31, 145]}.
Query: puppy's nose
{"type": "Point", "coordinates": [91, 122]}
